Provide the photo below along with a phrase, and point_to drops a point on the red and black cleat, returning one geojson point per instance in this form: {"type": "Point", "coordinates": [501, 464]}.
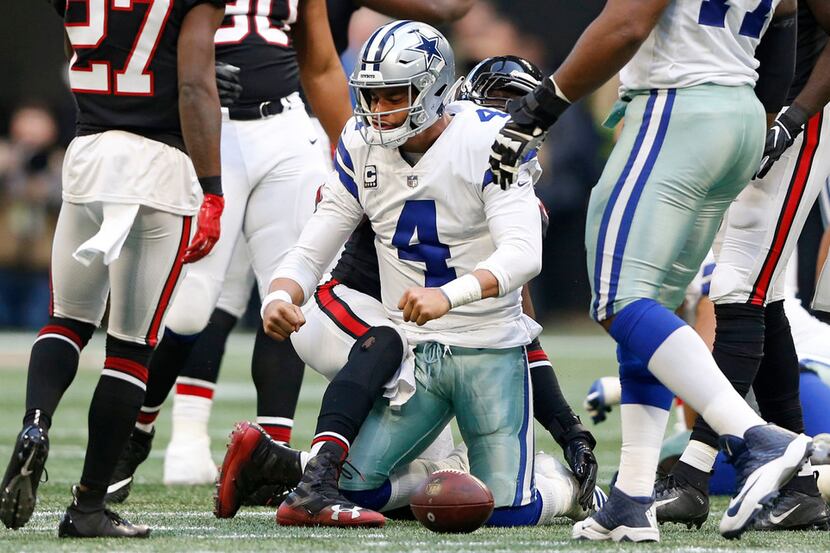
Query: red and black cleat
{"type": "Point", "coordinates": [253, 460]}
{"type": "Point", "coordinates": [317, 501]}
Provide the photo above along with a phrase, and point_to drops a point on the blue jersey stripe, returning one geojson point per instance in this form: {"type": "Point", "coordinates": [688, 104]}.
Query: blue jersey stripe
{"type": "Point", "coordinates": [346, 179]}
{"type": "Point", "coordinates": [634, 199]}
{"type": "Point", "coordinates": [488, 178]}
{"type": "Point", "coordinates": [344, 155]}
{"type": "Point", "coordinates": [609, 208]}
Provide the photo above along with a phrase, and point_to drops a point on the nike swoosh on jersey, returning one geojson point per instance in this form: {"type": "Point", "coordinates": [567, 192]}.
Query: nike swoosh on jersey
{"type": "Point", "coordinates": [665, 501]}
{"type": "Point", "coordinates": [779, 518]}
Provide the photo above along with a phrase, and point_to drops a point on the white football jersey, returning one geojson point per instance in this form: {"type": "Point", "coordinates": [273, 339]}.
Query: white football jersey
{"type": "Point", "coordinates": [434, 222]}
{"type": "Point", "coordinates": [700, 41]}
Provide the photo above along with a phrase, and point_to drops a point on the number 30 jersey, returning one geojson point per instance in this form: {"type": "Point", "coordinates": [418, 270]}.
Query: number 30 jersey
{"type": "Point", "coordinates": [434, 222]}
{"type": "Point", "coordinates": [255, 36]}
{"type": "Point", "coordinates": [700, 41]}
{"type": "Point", "coordinates": [123, 72]}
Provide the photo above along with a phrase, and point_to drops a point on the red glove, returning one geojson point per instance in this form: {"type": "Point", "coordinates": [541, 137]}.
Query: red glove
{"type": "Point", "coordinates": [207, 230]}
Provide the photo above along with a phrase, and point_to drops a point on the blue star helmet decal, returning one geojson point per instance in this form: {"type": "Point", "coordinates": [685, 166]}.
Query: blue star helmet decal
{"type": "Point", "coordinates": [429, 47]}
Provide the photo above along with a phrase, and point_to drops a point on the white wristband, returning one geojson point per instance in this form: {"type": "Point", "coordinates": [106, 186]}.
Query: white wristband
{"type": "Point", "coordinates": [463, 290]}
{"type": "Point", "coordinates": [274, 296]}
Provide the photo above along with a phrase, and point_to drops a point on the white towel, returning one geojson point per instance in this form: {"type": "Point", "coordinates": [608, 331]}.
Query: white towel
{"type": "Point", "coordinates": [401, 387]}
{"type": "Point", "coordinates": [107, 242]}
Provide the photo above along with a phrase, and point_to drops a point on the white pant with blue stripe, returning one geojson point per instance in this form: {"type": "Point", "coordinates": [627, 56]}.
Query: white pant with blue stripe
{"type": "Point", "coordinates": [682, 158]}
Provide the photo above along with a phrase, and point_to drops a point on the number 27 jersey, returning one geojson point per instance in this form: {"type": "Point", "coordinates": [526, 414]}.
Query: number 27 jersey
{"type": "Point", "coordinates": [124, 69]}
{"type": "Point", "coordinates": [698, 42]}
{"type": "Point", "coordinates": [434, 222]}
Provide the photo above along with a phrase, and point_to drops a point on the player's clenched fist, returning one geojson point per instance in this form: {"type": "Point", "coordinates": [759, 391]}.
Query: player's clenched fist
{"type": "Point", "coordinates": [420, 305]}
{"type": "Point", "coordinates": [281, 318]}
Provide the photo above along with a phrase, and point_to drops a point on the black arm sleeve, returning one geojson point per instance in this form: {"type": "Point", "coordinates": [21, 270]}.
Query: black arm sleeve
{"type": "Point", "coordinates": [776, 54]}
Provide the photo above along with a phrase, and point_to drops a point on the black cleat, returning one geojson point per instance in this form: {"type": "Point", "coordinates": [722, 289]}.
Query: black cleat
{"type": "Point", "coordinates": [679, 501]}
{"type": "Point", "coordinates": [136, 452]}
{"type": "Point", "coordinates": [256, 471]}
{"type": "Point", "coordinates": [97, 523]}
{"type": "Point", "coordinates": [317, 501]}
{"type": "Point", "coordinates": [269, 495]}
{"type": "Point", "coordinates": [793, 510]}
{"type": "Point", "coordinates": [18, 494]}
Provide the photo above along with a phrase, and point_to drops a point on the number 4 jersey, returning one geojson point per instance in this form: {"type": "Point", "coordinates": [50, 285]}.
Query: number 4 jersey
{"type": "Point", "coordinates": [123, 72]}
{"type": "Point", "coordinates": [434, 221]}
{"type": "Point", "coordinates": [700, 41]}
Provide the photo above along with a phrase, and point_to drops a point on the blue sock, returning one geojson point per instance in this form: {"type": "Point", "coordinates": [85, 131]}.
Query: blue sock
{"type": "Point", "coordinates": [375, 499]}
{"type": "Point", "coordinates": [526, 515]}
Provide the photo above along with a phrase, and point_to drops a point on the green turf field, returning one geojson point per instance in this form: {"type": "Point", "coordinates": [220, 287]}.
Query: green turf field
{"type": "Point", "coordinates": [182, 518]}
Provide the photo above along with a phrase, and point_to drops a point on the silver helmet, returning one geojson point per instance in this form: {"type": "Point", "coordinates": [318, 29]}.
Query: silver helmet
{"type": "Point", "coordinates": [403, 53]}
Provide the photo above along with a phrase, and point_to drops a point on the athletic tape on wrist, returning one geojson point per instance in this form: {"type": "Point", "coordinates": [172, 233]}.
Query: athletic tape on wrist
{"type": "Point", "coordinates": [274, 296]}
{"type": "Point", "coordinates": [463, 290]}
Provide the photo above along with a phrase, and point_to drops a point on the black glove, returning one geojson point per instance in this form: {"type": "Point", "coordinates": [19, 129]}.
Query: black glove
{"type": "Point", "coordinates": [780, 136]}
{"type": "Point", "coordinates": [530, 117]}
{"type": "Point", "coordinates": [227, 82]}
{"type": "Point", "coordinates": [583, 464]}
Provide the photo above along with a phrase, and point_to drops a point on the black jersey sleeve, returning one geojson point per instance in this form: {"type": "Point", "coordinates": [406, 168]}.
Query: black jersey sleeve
{"type": "Point", "coordinates": [60, 7]}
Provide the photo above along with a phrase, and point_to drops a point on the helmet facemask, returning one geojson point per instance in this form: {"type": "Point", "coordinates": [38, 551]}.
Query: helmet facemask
{"type": "Point", "coordinates": [372, 126]}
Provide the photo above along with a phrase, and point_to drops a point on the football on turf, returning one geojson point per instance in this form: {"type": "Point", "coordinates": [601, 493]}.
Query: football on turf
{"type": "Point", "coordinates": [452, 501]}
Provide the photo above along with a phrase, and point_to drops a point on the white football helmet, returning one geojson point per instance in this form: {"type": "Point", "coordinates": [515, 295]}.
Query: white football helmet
{"type": "Point", "coordinates": [403, 53]}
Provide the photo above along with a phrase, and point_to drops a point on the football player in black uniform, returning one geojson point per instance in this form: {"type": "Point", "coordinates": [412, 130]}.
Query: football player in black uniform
{"type": "Point", "coordinates": [253, 461]}
{"type": "Point", "coordinates": [271, 160]}
{"type": "Point", "coordinates": [753, 344]}
{"type": "Point", "coordinates": [142, 75]}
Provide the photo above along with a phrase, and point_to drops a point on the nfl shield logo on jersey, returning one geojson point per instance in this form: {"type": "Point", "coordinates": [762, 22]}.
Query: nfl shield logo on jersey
{"type": "Point", "coordinates": [412, 181]}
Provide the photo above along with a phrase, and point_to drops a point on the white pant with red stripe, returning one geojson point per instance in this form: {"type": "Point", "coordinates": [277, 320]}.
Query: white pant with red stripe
{"type": "Point", "coordinates": [139, 283]}
{"type": "Point", "coordinates": [334, 319]}
{"type": "Point", "coordinates": [761, 228]}
{"type": "Point", "coordinates": [271, 169]}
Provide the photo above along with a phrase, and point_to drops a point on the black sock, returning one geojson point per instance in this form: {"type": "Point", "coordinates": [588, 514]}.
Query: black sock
{"type": "Point", "coordinates": [53, 364]}
{"type": "Point", "coordinates": [739, 348]}
{"type": "Point", "coordinates": [550, 407]}
{"type": "Point", "coordinates": [690, 475]}
{"type": "Point", "coordinates": [373, 360]}
{"type": "Point", "coordinates": [777, 384]}
{"type": "Point", "coordinates": [89, 501]}
{"type": "Point", "coordinates": [206, 355]}
{"type": "Point", "coordinates": [167, 361]}
{"type": "Point", "coordinates": [114, 408]}
{"type": "Point", "coordinates": [277, 371]}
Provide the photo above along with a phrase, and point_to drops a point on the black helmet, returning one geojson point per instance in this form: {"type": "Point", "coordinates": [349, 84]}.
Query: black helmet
{"type": "Point", "coordinates": [512, 76]}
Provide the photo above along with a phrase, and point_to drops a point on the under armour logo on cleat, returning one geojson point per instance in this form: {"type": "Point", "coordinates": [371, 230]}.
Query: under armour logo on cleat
{"type": "Point", "coordinates": [338, 509]}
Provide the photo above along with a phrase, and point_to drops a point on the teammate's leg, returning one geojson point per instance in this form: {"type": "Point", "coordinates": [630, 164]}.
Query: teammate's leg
{"type": "Point", "coordinates": [78, 301]}
{"type": "Point", "coordinates": [189, 313]}
{"type": "Point", "coordinates": [631, 266]}
{"type": "Point", "coordinates": [139, 299]}
{"type": "Point", "coordinates": [187, 459]}
{"type": "Point", "coordinates": [286, 175]}
{"type": "Point", "coordinates": [760, 232]}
